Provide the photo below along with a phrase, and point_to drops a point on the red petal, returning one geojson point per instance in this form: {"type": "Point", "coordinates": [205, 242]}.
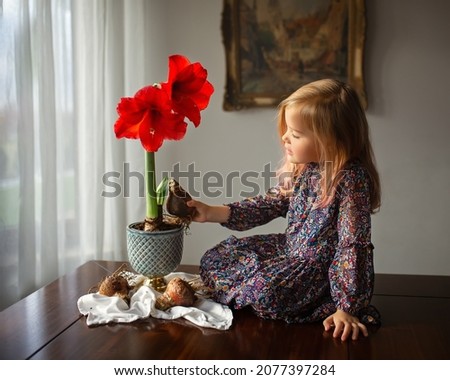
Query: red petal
{"type": "Point", "coordinates": [176, 64]}
{"type": "Point", "coordinates": [175, 130]}
{"type": "Point", "coordinates": [202, 97]}
{"type": "Point", "coordinates": [191, 79]}
{"type": "Point", "coordinates": [151, 138]}
{"type": "Point", "coordinates": [131, 112]}
{"type": "Point", "coordinates": [146, 93]}
{"type": "Point", "coordinates": [188, 108]}
{"type": "Point", "coordinates": [152, 143]}
{"type": "Point", "coordinates": [154, 97]}
{"type": "Point", "coordinates": [124, 130]}
{"type": "Point", "coordinates": [158, 126]}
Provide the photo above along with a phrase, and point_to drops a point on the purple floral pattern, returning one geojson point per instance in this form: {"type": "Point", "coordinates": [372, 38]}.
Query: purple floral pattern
{"type": "Point", "coordinates": [322, 262]}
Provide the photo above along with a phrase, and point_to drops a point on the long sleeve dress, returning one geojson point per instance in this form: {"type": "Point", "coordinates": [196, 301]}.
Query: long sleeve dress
{"type": "Point", "coordinates": [323, 261]}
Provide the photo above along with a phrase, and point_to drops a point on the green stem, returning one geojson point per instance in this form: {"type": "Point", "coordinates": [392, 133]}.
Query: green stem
{"type": "Point", "coordinates": [150, 186]}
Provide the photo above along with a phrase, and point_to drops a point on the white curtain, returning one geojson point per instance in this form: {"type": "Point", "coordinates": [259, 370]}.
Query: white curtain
{"type": "Point", "coordinates": [63, 67]}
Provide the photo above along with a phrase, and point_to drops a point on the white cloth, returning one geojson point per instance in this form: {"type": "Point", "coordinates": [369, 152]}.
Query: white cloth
{"type": "Point", "coordinates": [100, 309]}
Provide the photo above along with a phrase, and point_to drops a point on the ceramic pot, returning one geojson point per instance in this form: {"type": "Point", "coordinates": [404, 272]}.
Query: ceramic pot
{"type": "Point", "coordinates": [154, 253]}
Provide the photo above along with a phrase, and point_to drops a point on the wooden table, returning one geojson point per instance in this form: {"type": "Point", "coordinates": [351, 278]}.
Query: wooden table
{"type": "Point", "coordinates": [48, 325]}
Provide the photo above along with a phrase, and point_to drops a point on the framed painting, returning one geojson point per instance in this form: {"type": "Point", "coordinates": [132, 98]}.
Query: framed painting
{"type": "Point", "coordinates": [273, 47]}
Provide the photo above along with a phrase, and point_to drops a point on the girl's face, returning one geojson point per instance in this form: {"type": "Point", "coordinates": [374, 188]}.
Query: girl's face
{"type": "Point", "coordinates": [298, 140]}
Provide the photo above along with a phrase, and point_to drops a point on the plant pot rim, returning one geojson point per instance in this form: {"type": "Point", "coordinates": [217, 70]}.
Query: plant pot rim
{"type": "Point", "coordinates": [131, 227]}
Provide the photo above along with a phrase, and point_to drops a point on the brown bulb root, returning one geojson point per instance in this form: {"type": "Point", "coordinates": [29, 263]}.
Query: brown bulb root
{"type": "Point", "coordinates": [177, 201]}
{"type": "Point", "coordinates": [178, 293]}
{"type": "Point", "coordinates": [114, 285]}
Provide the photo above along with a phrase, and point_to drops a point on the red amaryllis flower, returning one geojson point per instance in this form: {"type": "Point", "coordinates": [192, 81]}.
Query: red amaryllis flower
{"type": "Point", "coordinates": [157, 113]}
{"type": "Point", "coordinates": [148, 116]}
{"type": "Point", "coordinates": [187, 87]}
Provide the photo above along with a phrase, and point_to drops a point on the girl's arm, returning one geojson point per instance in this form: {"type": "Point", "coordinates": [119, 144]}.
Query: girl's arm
{"type": "Point", "coordinates": [246, 214]}
{"type": "Point", "coordinates": [351, 272]}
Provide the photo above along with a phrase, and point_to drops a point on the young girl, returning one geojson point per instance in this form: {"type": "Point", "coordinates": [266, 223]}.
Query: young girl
{"type": "Point", "coordinates": [321, 268]}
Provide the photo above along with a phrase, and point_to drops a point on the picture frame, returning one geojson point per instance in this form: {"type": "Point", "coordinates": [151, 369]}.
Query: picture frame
{"type": "Point", "coordinates": [273, 47]}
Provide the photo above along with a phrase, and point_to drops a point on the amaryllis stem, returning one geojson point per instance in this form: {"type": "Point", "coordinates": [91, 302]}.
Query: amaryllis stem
{"type": "Point", "coordinates": [150, 186]}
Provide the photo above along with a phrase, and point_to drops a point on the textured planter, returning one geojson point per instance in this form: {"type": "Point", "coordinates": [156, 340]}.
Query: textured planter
{"type": "Point", "coordinates": [155, 253]}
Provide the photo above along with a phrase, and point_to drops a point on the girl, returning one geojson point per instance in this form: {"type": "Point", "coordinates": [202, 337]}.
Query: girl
{"type": "Point", "coordinates": [321, 268]}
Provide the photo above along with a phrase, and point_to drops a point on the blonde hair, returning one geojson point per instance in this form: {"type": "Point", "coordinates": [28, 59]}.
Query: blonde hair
{"type": "Point", "coordinates": [333, 111]}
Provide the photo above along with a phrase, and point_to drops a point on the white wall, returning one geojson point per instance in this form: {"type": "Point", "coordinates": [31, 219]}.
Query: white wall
{"type": "Point", "coordinates": [408, 86]}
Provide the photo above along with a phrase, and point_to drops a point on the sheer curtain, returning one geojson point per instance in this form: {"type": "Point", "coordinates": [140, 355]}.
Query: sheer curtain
{"type": "Point", "coordinates": [64, 66]}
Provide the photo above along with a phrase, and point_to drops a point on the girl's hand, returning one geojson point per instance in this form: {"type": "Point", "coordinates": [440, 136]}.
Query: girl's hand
{"type": "Point", "coordinates": [344, 324]}
{"type": "Point", "coordinates": [206, 213]}
{"type": "Point", "coordinates": [201, 210]}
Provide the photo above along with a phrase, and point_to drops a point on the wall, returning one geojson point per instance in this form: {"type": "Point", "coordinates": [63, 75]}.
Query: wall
{"type": "Point", "coordinates": [406, 70]}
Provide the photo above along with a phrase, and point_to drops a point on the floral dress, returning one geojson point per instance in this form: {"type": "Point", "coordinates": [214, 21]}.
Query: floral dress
{"type": "Point", "coordinates": [322, 262]}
